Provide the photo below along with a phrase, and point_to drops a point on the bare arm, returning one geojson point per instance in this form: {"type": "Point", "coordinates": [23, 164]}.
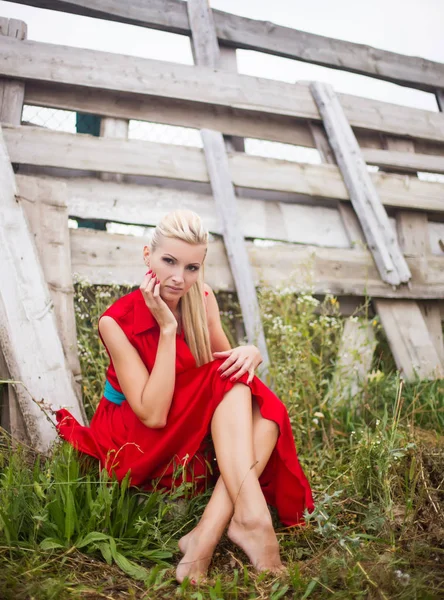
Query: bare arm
{"type": "Point", "coordinates": [149, 395]}
{"type": "Point", "coordinates": [218, 339]}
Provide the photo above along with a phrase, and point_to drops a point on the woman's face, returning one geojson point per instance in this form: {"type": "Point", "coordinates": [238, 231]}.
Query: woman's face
{"type": "Point", "coordinates": [176, 264]}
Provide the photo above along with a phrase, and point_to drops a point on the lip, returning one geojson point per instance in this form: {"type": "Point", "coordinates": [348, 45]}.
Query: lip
{"type": "Point", "coordinates": [174, 289]}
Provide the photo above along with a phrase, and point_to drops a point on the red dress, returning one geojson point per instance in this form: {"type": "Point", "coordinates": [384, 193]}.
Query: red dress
{"type": "Point", "coordinates": [121, 442]}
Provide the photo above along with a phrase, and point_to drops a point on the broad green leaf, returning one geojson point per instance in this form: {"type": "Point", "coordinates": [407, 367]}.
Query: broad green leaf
{"type": "Point", "coordinates": [93, 536]}
{"type": "Point", "coordinates": [130, 568]}
{"type": "Point", "coordinates": [50, 544]}
{"type": "Point", "coordinates": [106, 551]}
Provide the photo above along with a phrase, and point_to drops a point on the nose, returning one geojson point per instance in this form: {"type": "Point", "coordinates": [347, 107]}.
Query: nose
{"type": "Point", "coordinates": [178, 278]}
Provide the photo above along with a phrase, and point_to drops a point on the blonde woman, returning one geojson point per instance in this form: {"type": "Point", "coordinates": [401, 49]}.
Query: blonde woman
{"type": "Point", "coordinates": [177, 395]}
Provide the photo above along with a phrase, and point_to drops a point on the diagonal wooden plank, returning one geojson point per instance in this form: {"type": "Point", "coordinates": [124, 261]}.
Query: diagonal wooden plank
{"type": "Point", "coordinates": [28, 332]}
{"type": "Point", "coordinates": [206, 52]}
{"type": "Point", "coordinates": [366, 203]}
{"type": "Point", "coordinates": [11, 105]}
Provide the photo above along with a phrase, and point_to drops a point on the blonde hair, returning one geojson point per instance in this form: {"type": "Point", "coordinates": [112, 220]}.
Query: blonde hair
{"type": "Point", "coordinates": [187, 226]}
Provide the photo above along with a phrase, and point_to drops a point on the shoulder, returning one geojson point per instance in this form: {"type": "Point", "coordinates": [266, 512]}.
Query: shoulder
{"type": "Point", "coordinates": [119, 315]}
{"type": "Point", "coordinates": [208, 290]}
{"type": "Point", "coordinates": [211, 304]}
{"type": "Point", "coordinates": [117, 322]}
{"type": "Point", "coordinates": [122, 306]}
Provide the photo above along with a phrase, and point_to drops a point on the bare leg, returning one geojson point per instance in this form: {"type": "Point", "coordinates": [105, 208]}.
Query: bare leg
{"type": "Point", "coordinates": [198, 545]}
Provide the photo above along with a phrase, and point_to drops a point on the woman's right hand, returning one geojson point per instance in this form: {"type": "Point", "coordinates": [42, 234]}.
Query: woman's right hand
{"type": "Point", "coordinates": [150, 288]}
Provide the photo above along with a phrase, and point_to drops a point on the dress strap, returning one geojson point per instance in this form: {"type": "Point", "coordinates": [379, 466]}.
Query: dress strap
{"type": "Point", "coordinates": [112, 394]}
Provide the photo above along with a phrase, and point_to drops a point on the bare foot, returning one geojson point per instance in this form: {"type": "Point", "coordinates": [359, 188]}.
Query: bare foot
{"type": "Point", "coordinates": [257, 539]}
{"type": "Point", "coordinates": [197, 547]}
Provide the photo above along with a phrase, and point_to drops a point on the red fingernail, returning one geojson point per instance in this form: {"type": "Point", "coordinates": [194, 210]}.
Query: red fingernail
{"type": "Point", "coordinates": [148, 272]}
{"type": "Point", "coordinates": [232, 379]}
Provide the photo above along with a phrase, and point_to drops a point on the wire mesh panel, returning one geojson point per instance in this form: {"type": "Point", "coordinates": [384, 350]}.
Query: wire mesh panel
{"type": "Point", "coordinates": [60, 120]}
{"type": "Point", "coordinates": [282, 151]}
{"type": "Point", "coordinates": [164, 134]}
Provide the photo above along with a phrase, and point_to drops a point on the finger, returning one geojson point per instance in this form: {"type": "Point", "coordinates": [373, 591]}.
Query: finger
{"type": "Point", "coordinates": [235, 367]}
{"type": "Point", "coordinates": [250, 375]}
{"type": "Point", "coordinates": [223, 353]}
{"type": "Point", "coordinates": [148, 277]}
{"type": "Point", "coordinates": [230, 360]}
{"type": "Point", "coordinates": [145, 279]}
{"type": "Point", "coordinates": [240, 373]}
{"type": "Point", "coordinates": [149, 288]}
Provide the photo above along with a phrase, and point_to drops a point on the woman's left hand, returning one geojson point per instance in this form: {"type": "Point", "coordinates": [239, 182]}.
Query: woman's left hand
{"type": "Point", "coordinates": [239, 360]}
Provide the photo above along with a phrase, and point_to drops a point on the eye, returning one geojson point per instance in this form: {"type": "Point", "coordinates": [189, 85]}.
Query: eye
{"type": "Point", "coordinates": [193, 268]}
{"type": "Point", "coordinates": [168, 260]}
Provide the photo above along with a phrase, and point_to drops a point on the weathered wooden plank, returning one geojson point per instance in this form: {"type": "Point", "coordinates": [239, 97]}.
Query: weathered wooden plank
{"type": "Point", "coordinates": [413, 234]}
{"type": "Point", "coordinates": [354, 360]}
{"type": "Point", "coordinates": [36, 146]}
{"type": "Point", "coordinates": [105, 258]}
{"type": "Point", "coordinates": [28, 333]}
{"type": "Point", "coordinates": [263, 36]}
{"type": "Point", "coordinates": [11, 106]}
{"type": "Point", "coordinates": [12, 92]}
{"type": "Point", "coordinates": [206, 52]}
{"type": "Point", "coordinates": [145, 205]}
{"type": "Point", "coordinates": [118, 129]}
{"type": "Point", "coordinates": [436, 237]}
{"type": "Point", "coordinates": [228, 62]}
{"type": "Point", "coordinates": [230, 121]}
{"type": "Point", "coordinates": [10, 415]}
{"type": "Point", "coordinates": [432, 316]}
{"type": "Point", "coordinates": [44, 204]}
{"type": "Point", "coordinates": [409, 339]}
{"type": "Point", "coordinates": [127, 74]}
{"type": "Point", "coordinates": [204, 44]}
{"type": "Point", "coordinates": [404, 161]}
{"type": "Point", "coordinates": [366, 203]}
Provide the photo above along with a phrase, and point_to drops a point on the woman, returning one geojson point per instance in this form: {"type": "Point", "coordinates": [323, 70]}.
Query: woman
{"type": "Point", "coordinates": [173, 380]}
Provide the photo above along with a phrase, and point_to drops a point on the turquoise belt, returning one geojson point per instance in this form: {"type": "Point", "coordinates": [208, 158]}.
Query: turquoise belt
{"type": "Point", "coordinates": [112, 394]}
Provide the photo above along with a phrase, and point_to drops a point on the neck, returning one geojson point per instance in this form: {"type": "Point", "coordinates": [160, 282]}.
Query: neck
{"type": "Point", "coordinates": [173, 305]}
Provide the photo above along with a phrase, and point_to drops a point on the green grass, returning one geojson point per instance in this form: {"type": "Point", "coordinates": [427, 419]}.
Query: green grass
{"type": "Point", "coordinates": [375, 462]}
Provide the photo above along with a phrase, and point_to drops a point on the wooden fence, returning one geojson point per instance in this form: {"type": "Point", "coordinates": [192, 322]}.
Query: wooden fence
{"type": "Point", "coordinates": [337, 228]}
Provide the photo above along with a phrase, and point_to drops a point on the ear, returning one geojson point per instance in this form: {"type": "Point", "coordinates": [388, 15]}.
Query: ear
{"type": "Point", "coordinates": [146, 256]}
